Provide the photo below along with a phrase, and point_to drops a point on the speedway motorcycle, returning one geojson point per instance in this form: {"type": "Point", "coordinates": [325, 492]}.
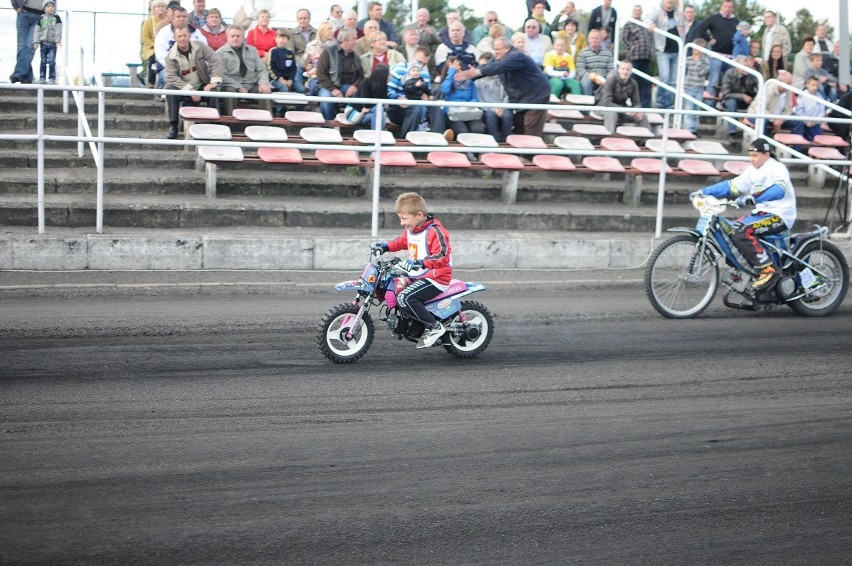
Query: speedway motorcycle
{"type": "Point", "coordinates": [346, 331]}
{"type": "Point", "coordinates": [683, 273]}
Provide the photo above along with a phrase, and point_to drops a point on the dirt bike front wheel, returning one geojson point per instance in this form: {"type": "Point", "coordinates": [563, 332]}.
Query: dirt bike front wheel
{"type": "Point", "coordinates": [469, 337]}
{"type": "Point", "coordinates": [679, 282]}
{"type": "Point", "coordinates": [333, 334]}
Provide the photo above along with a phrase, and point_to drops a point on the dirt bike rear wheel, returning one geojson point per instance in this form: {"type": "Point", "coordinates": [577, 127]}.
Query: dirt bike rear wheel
{"type": "Point", "coordinates": [672, 283]}
{"type": "Point", "coordinates": [331, 334]}
{"type": "Point", "coordinates": [478, 329]}
{"type": "Point", "coordinates": [824, 300]}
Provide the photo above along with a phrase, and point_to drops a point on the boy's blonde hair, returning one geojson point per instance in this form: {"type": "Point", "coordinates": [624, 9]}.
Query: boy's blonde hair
{"type": "Point", "coordinates": [410, 203]}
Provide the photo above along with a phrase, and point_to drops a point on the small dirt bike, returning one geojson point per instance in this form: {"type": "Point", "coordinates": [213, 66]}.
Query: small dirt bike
{"type": "Point", "coordinates": [346, 331]}
{"type": "Point", "coordinates": [682, 275]}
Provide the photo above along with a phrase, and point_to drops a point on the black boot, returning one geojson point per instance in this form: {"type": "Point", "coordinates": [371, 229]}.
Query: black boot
{"type": "Point", "coordinates": [173, 132]}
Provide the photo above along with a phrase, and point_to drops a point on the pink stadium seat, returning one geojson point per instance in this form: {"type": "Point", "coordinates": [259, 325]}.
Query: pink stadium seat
{"type": "Point", "coordinates": [397, 159]}
{"type": "Point", "coordinates": [735, 167]}
{"type": "Point", "coordinates": [553, 163]}
{"type": "Point", "coordinates": [825, 153]}
{"type": "Point", "coordinates": [198, 113]}
{"type": "Point", "coordinates": [603, 164]}
{"type": "Point", "coordinates": [447, 159]}
{"type": "Point", "coordinates": [791, 139]}
{"type": "Point", "coordinates": [833, 141]}
{"type": "Point", "coordinates": [526, 142]}
{"type": "Point", "coordinates": [681, 134]}
{"type": "Point", "coordinates": [338, 156]}
{"type": "Point", "coordinates": [697, 167]}
{"type": "Point", "coordinates": [279, 155]}
{"type": "Point", "coordinates": [619, 144]}
{"type": "Point", "coordinates": [502, 161]}
{"type": "Point", "coordinates": [303, 117]}
{"type": "Point", "coordinates": [649, 166]}
{"type": "Point", "coordinates": [252, 115]}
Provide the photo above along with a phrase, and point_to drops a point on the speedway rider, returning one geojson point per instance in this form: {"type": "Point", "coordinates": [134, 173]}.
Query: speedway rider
{"type": "Point", "coordinates": [766, 187]}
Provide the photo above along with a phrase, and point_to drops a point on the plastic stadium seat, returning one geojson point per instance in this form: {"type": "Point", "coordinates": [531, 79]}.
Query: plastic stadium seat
{"type": "Point", "coordinates": [681, 134]}
{"type": "Point", "coordinates": [397, 159]}
{"type": "Point", "coordinates": [502, 161]}
{"type": "Point", "coordinates": [266, 133]}
{"type": "Point", "coordinates": [619, 144]}
{"type": "Point", "coordinates": [426, 138]}
{"type": "Point", "coordinates": [447, 159]}
{"type": "Point", "coordinates": [565, 114]}
{"type": "Point", "coordinates": [649, 166]}
{"type": "Point", "coordinates": [477, 140]}
{"type": "Point", "coordinates": [654, 119]}
{"type": "Point", "coordinates": [603, 164]}
{"type": "Point", "coordinates": [209, 132]}
{"type": "Point", "coordinates": [279, 155]}
{"type": "Point", "coordinates": [321, 135]}
{"type": "Point", "coordinates": [553, 163]}
{"type": "Point", "coordinates": [293, 98]}
{"type": "Point", "coordinates": [707, 147]}
{"type": "Point", "coordinates": [252, 115]}
{"type": "Point", "coordinates": [198, 113]}
{"type": "Point", "coordinates": [338, 156]}
{"type": "Point", "coordinates": [573, 143]}
{"type": "Point", "coordinates": [369, 137]}
{"type": "Point", "coordinates": [526, 142]}
{"type": "Point", "coordinates": [220, 153]}
{"type": "Point", "coordinates": [697, 167]}
{"type": "Point", "coordinates": [580, 99]}
{"type": "Point", "coordinates": [634, 132]}
{"type": "Point", "coordinates": [825, 153]}
{"type": "Point", "coordinates": [657, 145]}
{"type": "Point", "coordinates": [303, 117]}
{"type": "Point", "coordinates": [554, 128]}
{"type": "Point", "coordinates": [790, 139]}
{"type": "Point", "coordinates": [590, 130]}
{"type": "Point", "coordinates": [735, 167]}
{"type": "Point", "coordinates": [834, 141]}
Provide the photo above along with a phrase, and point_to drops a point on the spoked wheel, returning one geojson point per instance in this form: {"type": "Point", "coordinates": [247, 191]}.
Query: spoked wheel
{"type": "Point", "coordinates": [469, 337]}
{"type": "Point", "coordinates": [678, 282]}
{"type": "Point", "coordinates": [332, 334]}
{"type": "Point", "coordinates": [830, 289]}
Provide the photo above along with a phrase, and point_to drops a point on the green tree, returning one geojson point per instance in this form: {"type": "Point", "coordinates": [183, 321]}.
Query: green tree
{"type": "Point", "coordinates": [804, 25]}
{"type": "Point", "coordinates": [749, 11]}
{"type": "Point", "coordinates": [398, 12]}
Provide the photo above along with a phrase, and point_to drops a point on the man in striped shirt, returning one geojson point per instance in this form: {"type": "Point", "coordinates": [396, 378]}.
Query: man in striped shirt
{"type": "Point", "coordinates": [593, 64]}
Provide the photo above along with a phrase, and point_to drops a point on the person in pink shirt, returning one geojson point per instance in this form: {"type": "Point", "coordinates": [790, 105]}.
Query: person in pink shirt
{"type": "Point", "coordinates": [262, 37]}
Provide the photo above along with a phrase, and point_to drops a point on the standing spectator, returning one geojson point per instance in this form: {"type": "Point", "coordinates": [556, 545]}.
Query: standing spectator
{"type": "Point", "coordinates": [198, 15]}
{"type": "Point", "coordinates": [374, 9]}
{"type": "Point", "coordinates": [427, 36]}
{"type": "Point", "coordinates": [482, 31]}
{"type": "Point", "coordinates": [531, 5]}
{"type": "Point", "coordinates": [498, 121]}
{"type": "Point", "coordinates": [618, 89]}
{"type": "Point", "coordinates": [691, 26]}
{"type": "Point", "coordinates": [190, 65]}
{"type": "Point", "coordinates": [538, 15]}
{"type": "Point", "coordinates": [444, 32]}
{"type": "Point", "coordinates": [457, 47]}
{"type": "Point", "coordinates": [739, 88]}
{"type": "Point", "coordinates": [574, 40]}
{"type": "Point", "coordinates": [410, 43]}
{"type": "Point", "coordinates": [719, 30]}
{"type": "Point", "coordinates": [775, 33]}
{"type": "Point", "coordinates": [335, 16]}
{"type": "Point", "coordinates": [537, 43]}
{"type": "Point", "coordinates": [244, 70]}
{"type": "Point", "coordinates": [153, 24]}
{"type": "Point", "coordinates": [640, 47]}
{"type": "Point", "coordinates": [593, 64]}
{"type": "Point", "coordinates": [261, 37]}
{"type": "Point", "coordinates": [560, 69]}
{"type": "Point", "coordinates": [313, 50]}
{"type": "Point", "coordinates": [350, 21]}
{"type": "Point", "coordinates": [779, 101]}
{"type": "Point", "coordinates": [379, 54]}
{"type": "Point", "coordinates": [47, 36]}
{"type": "Point", "coordinates": [456, 89]}
{"type": "Point", "coordinates": [802, 61]}
{"type": "Point", "coordinates": [697, 70]}
{"type": "Point", "coordinates": [604, 17]}
{"type": "Point", "coordinates": [670, 19]}
{"type": "Point", "coordinates": [524, 83]}
{"type": "Point", "coordinates": [166, 38]}
{"type": "Point", "coordinates": [741, 41]}
{"type": "Point", "coordinates": [822, 44]}
{"type": "Point", "coordinates": [300, 35]}
{"type": "Point", "coordinates": [408, 117]}
{"type": "Point", "coordinates": [807, 106]}
{"type": "Point", "coordinates": [29, 13]}
{"type": "Point", "coordinates": [339, 72]}
{"type": "Point", "coordinates": [569, 12]}
{"type": "Point", "coordinates": [214, 31]}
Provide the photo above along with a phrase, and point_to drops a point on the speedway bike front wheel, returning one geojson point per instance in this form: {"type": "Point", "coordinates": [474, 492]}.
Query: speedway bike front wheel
{"type": "Point", "coordinates": [333, 334]}
{"type": "Point", "coordinates": [680, 280]}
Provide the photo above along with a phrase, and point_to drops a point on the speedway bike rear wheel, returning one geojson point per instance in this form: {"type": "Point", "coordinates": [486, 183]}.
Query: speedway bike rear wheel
{"type": "Point", "coordinates": [826, 258]}
{"type": "Point", "coordinates": [469, 338]}
{"type": "Point", "coordinates": [332, 334]}
{"type": "Point", "coordinates": [679, 283]}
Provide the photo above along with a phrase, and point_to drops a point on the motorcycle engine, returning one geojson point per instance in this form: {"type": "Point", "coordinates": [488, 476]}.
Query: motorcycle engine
{"type": "Point", "coordinates": [785, 288]}
{"type": "Point", "coordinates": [736, 280]}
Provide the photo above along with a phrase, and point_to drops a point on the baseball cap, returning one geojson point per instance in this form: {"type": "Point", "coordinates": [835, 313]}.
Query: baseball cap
{"type": "Point", "coordinates": [760, 145]}
{"type": "Point", "coordinates": [743, 24]}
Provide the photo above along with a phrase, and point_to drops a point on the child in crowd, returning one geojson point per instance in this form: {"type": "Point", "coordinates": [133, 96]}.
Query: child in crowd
{"type": "Point", "coordinates": [697, 71]}
{"type": "Point", "coordinates": [498, 121]}
{"type": "Point", "coordinates": [606, 40]}
{"type": "Point", "coordinates": [48, 36]}
{"type": "Point", "coordinates": [414, 86]}
{"type": "Point", "coordinates": [827, 82]}
{"type": "Point", "coordinates": [429, 262]}
{"type": "Point", "coordinates": [560, 70]}
{"type": "Point", "coordinates": [281, 64]}
{"type": "Point", "coordinates": [742, 45]}
{"type": "Point", "coordinates": [806, 106]}
{"type": "Point", "coordinates": [519, 41]}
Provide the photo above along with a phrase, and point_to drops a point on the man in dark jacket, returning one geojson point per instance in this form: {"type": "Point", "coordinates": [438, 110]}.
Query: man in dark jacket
{"type": "Point", "coordinates": [739, 89]}
{"type": "Point", "coordinates": [339, 71]}
{"type": "Point", "coordinates": [616, 91]}
{"type": "Point", "coordinates": [524, 83]}
{"type": "Point", "coordinates": [719, 30]}
{"type": "Point", "coordinates": [604, 16]}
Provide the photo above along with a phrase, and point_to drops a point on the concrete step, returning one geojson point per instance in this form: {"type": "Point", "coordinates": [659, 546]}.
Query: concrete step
{"type": "Point", "coordinates": [158, 133]}
{"type": "Point", "coordinates": [57, 122]}
{"type": "Point", "coordinates": [17, 103]}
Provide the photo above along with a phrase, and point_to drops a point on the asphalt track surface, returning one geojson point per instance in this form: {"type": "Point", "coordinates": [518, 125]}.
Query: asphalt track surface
{"type": "Point", "coordinates": [162, 426]}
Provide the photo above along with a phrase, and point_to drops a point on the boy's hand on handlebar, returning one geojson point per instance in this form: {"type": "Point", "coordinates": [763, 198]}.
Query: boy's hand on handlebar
{"type": "Point", "coordinates": [695, 194]}
{"type": "Point", "coordinates": [379, 247]}
{"type": "Point", "coordinates": [411, 264]}
{"type": "Point", "coordinates": [745, 201]}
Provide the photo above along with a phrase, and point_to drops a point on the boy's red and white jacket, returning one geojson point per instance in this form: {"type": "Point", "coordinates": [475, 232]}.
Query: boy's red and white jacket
{"type": "Point", "coordinates": [430, 243]}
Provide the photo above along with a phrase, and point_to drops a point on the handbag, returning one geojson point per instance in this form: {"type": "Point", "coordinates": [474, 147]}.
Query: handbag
{"type": "Point", "coordinates": [241, 18]}
{"type": "Point", "coordinates": [463, 114]}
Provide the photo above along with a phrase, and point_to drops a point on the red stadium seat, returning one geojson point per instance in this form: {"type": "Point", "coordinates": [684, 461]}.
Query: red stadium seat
{"type": "Point", "coordinates": [735, 167]}
{"type": "Point", "coordinates": [790, 139]}
{"type": "Point", "coordinates": [448, 159]}
{"type": "Point", "coordinates": [502, 161]}
{"type": "Point", "coordinates": [279, 155]}
{"type": "Point", "coordinates": [619, 144]}
{"type": "Point", "coordinates": [833, 141]}
{"type": "Point", "coordinates": [526, 142]}
{"type": "Point", "coordinates": [252, 115]}
{"type": "Point", "coordinates": [397, 159]}
{"type": "Point", "coordinates": [697, 167]}
{"type": "Point", "coordinates": [603, 164]}
{"type": "Point", "coordinates": [825, 153]}
{"type": "Point", "coordinates": [198, 113]}
{"type": "Point", "coordinates": [649, 166]}
{"type": "Point", "coordinates": [553, 163]}
{"type": "Point", "coordinates": [338, 156]}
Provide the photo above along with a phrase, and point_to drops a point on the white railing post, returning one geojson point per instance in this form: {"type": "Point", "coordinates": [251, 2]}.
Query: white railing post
{"type": "Point", "coordinates": [378, 126]}
{"type": "Point", "coordinates": [661, 188]}
{"type": "Point", "coordinates": [40, 145]}
{"type": "Point", "coordinates": [99, 213]}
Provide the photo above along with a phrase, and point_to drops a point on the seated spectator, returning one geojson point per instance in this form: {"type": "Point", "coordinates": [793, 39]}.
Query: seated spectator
{"type": "Point", "coordinates": [841, 128]}
{"type": "Point", "coordinates": [739, 89]}
{"type": "Point", "coordinates": [313, 50]}
{"type": "Point", "coordinates": [153, 24]}
{"type": "Point", "coordinates": [410, 43]}
{"type": "Point", "coordinates": [593, 64]}
{"type": "Point", "coordinates": [519, 42]}
{"type": "Point", "coordinates": [617, 90]}
{"type": "Point", "coordinates": [363, 44]}
{"type": "Point", "coordinates": [190, 65]}
{"type": "Point", "coordinates": [281, 64]}
{"type": "Point", "coordinates": [458, 120]}
{"type": "Point", "coordinates": [339, 72]}
{"type": "Point", "coordinates": [198, 15]}
{"type": "Point", "coordinates": [214, 31]}
{"type": "Point", "coordinates": [166, 38]}
{"type": "Point", "coordinates": [560, 70]}
{"type": "Point", "coordinates": [379, 54]}
{"type": "Point", "coordinates": [374, 86]}
{"type": "Point", "coordinates": [827, 82]}
{"type": "Point", "coordinates": [427, 36]}
{"type": "Point", "coordinates": [498, 121]}
{"type": "Point", "coordinates": [560, 22]}
{"type": "Point", "coordinates": [742, 44]}
{"type": "Point", "coordinates": [350, 21]}
{"type": "Point", "coordinates": [261, 37]}
{"type": "Point", "coordinates": [807, 106]}
{"type": "Point", "coordinates": [537, 14]}
{"type": "Point", "coordinates": [487, 43]}
{"type": "Point", "coordinates": [779, 101]}
{"type": "Point", "coordinates": [537, 43]}
{"type": "Point", "coordinates": [244, 70]}
{"type": "Point", "coordinates": [802, 62]}
{"type": "Point", "coordinates": [774, 64]}
{"type": "Point", "coordinates": [831, 61]}
{"type": "Point", "coordinates": [697, 71]}
{"type": "Point", "coordinates": [444, 32]}
{"type": "Point", "coordinates": [457, 47]}
{"type": "Point", "coordinates": [409, 118]}
{"type": "Point", "coordinates": [574, 40]}
{"type": "Point", "coordinates": [375, 13]}
{"type": "Point", "coordinates": [482, 31]}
